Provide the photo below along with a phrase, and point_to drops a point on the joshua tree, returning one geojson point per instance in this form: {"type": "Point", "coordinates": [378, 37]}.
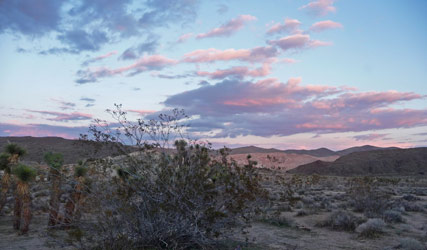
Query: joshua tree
{"type": "Point", "coordinates": [8, 159]}
{"type": "Point", "coordinates": [71, 206]}
{"type": "Point", "coordinates": [22, 210]}
{"type": "Point", "coordinates": [55, 162]}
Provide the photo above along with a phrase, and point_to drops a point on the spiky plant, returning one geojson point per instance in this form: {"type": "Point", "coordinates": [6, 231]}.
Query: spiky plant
{"type": "Point", "coordinates": [5, 179]}
{"type": "Point", "coordinates": [10, 157]}
{"type": "Point", "coordinates": [15, 152]}
{"type": "Point", "coordinates": [22, 210]}
{"type": "Point", "coordinates": [55, 162]}
{"type": "Point", "coordinates": [72, 203]}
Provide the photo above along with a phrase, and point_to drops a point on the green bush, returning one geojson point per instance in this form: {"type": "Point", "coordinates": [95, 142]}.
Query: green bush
{"type": "Point", "coordinates": [54, 160]}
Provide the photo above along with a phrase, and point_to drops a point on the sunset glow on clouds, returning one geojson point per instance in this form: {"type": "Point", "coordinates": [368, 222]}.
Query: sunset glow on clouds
{"type": "Point", "coordinates": [292, 74]}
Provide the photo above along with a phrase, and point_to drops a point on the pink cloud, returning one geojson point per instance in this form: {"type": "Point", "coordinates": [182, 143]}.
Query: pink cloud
{"type": "Point", "coordinates": [287, 60]}
{"type": "Point", "coordinates": [258, 54]}
{"type": "Point", "coordinates": [297, 41]}
{"type": "Point", "coordinates": [325, 25]}
{"type": "Point", "coordinates": [319, 7]}
{"type": "Point", "coordinates": [239, 72]}
{"type": "Point", "coordinates": [228, 28]}
{"type": "Point", "coordinates": [246, 102]}
{"type": "Point", "coordinates": [290, 25]}
{"type": "Point", "coordinates": [106, 55]}
{"type": "Point", "coordinates": [269, 107]}
{"type": "Point", "coordinates": [99, 58]}
{"type": "Point", "coordinates": [184, 37]}
{"type": "Point", "coordinates": [147, 63]}
{"type": "Point", "coordinates": [141, 112]}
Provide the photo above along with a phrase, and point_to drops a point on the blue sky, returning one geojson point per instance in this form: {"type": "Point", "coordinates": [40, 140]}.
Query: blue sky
{"type": "Point", "coordinates": [285, 74]}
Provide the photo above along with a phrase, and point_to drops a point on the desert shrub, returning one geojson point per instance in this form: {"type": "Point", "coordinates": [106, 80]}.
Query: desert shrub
{"type": "Point", "coordinates": [372, 228]}
{"type": "Point", "coordinates": [367, 198]}
{"type": "Point", "coordinates": [163, 198]}
{"type": "Point", "coordinates": [412, 206]}
{"type": "Point", "coordinates": [410, 197]}
{"type": "Point", "coordinates": [277, 220]}
{"type": "Point", "coordinates": [392, 216]}
{"type": "Point", "coordinates": [410, 244]}
{"type": "Point", "coordinates": [341, 220]}
{"type": "Point", "coordinates": [301, 213]}
{"type": "Point", "coordinates": [284, 207]}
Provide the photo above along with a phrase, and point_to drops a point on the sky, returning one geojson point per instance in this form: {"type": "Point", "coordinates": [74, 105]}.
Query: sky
{"type": "Point", "coordinates": [285, 74]}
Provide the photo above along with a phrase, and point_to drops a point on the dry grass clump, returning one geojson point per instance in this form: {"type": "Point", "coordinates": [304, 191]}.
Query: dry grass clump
{"type": "Point", "coordinates": [392, 216]}
{"type": "Point", "coordinates": [372, 228]}
{"type": "Point", "coordinates": [341, 220]}
{"type": "Point", "coordinates": [410, 244]}
{"type": "Point", "coordinates": [277, 220]}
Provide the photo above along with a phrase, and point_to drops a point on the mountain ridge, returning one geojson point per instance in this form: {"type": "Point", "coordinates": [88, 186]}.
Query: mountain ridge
{"type": "Point", "coordinates": [412, 161]}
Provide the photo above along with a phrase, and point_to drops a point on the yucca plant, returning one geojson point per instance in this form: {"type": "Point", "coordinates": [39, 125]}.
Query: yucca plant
{"type": "Point", "coordinates": [10, 157]}
{"type": "Point", "coordinates": [15, 152]}
{"type": "Point", "coordinates": [73, 202]}
{"type": "Point", "coordinates": [22, 210]}
{"type": "Point", "coordinates": [6, 179]}
{"type": "Point", "coordinates": [55, 162]}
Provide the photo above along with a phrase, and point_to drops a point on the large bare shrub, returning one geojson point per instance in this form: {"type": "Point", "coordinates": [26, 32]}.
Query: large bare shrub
{"type": "Point", "coordinates": [164, 198]}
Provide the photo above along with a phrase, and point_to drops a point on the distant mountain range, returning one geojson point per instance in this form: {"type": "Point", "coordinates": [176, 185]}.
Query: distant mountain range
{"type": "Point", "coordinates": [73, 150]}
{"type": "Point", "coordinates": [320, 152]}
{"type": "Point", "coordinates": [412, 161]}
{"type": "Point", "coordinates": [352, 161]}
{"type": "Point", "coordinates": [280, 160]}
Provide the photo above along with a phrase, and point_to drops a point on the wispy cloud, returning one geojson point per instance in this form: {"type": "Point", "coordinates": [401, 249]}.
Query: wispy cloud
{"type": "Point", "coordinates": [258, 54]}
{"type": "Point", "coordinates": [319, 7]}
{"type": "Point", "coordinates": [63, 117]}
{"type": "Point", "coordinates": [290, 26]}
{"type": "Point", "coordinates": [228, 28]}
{"type": "Point", "coordinates": [325, 25]}
{"type": "Point", "coordinates": [147, 63]}
{"type": "Point", "coordinates": [369, 137]}
{"type": "Point", "coordinates": [63, 104]}
{"type": "Point", "coordinates": [238, 72]}
{"type": "Point", "coordinates": [99, 58]}
{"type": "Point", "coordinates": [149, 46]}
{"type": "Point", "coordinates": [141, 111]}
{"type": "Point", "coordinates": [184, 37]}
{"type": "Point", "coordinates": [297, 41]}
